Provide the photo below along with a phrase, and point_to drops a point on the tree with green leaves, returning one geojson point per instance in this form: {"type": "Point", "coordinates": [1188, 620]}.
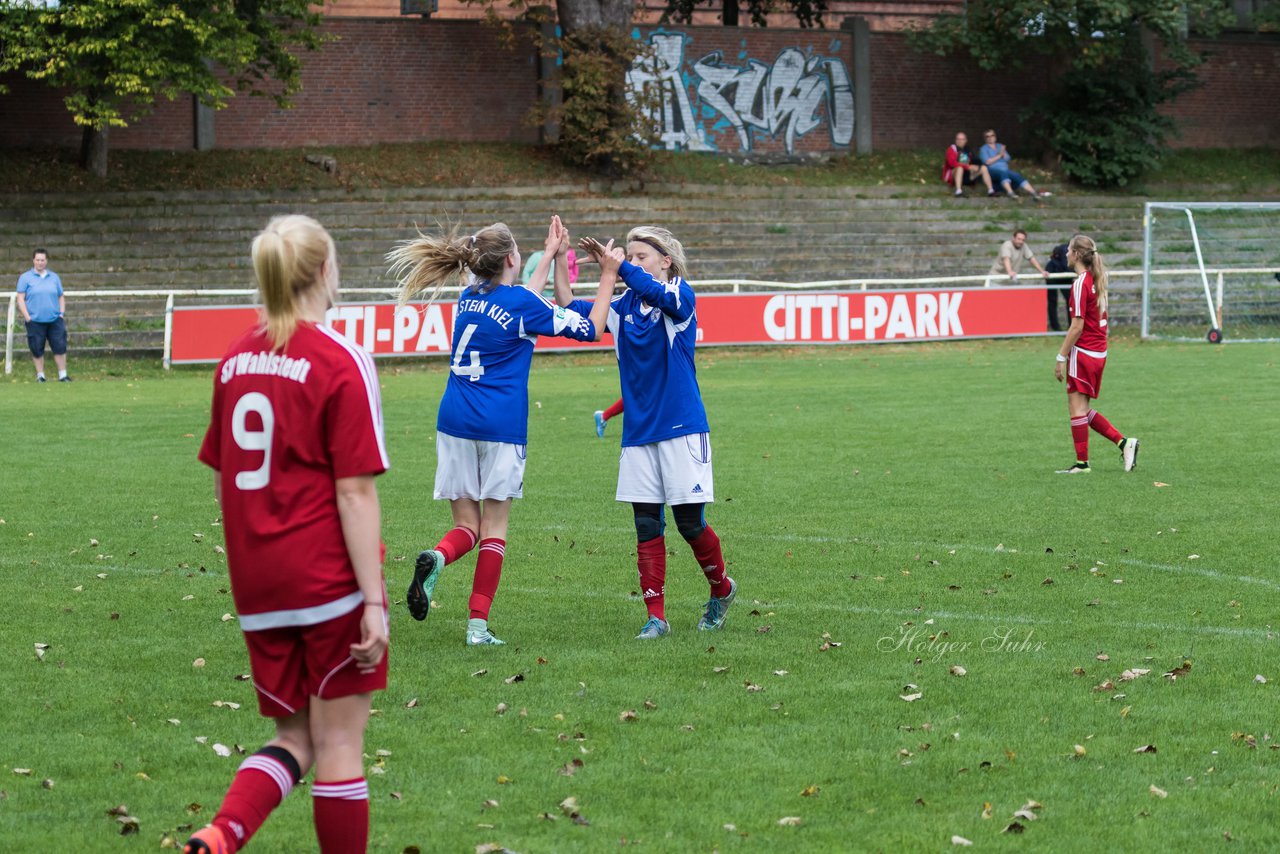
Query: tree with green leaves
{"type": "Point", "coordinates": [1100, 114]}
{"type": "Point", "coordinates": [114, 58]}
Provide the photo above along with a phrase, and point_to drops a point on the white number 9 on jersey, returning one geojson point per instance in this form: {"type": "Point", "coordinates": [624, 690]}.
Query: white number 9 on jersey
{"type": "Point", "coordinates": [254, 440]}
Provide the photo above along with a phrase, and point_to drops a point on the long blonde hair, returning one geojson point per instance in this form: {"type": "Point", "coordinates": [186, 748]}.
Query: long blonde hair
{"type": "Point", "coordinates": [665, 242]}
{"type": "Point", "coordinates": [1087, 254]}
{"type": "Point", "coordinates": [287, 258]}
{"type": "Point", "coordinates": [426, 263]}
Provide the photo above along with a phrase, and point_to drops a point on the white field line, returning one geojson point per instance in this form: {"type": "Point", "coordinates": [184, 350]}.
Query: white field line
{"type": "Point", "coordinates": [819, 539]}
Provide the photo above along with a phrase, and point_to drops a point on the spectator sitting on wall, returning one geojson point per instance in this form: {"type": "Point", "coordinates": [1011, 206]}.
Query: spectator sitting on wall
{"type": "Point", "coordinates": [961, 169]}
{"type": "Point", "coordinates": [1014, 258]}
{"type": "Point", "coordinates": [996, 158]}
{"type": "Point", "coordinates": [571, 264]}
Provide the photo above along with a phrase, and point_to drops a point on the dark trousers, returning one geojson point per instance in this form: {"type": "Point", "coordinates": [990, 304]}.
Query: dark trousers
{"type": "Point", "coordinates": [1052, 296]}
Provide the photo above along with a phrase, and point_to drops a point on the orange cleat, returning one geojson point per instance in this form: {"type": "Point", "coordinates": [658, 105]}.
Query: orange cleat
{"type": "Point", "coordinates": [207, 840]}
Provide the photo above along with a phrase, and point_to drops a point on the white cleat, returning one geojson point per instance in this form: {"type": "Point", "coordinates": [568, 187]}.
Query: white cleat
{"type": "Point", "coordinates": [478, 634]}
{"type": "Point", "coordinates": [1129, 453]}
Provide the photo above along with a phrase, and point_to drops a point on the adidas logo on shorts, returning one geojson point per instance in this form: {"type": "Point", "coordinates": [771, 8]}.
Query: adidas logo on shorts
{"type": "Point", "coordinates": [697, 489]}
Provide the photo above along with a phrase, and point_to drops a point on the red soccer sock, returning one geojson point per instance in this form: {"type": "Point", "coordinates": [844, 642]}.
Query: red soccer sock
{"type": "Point", "coordinates": [341, 811]}
{"type": "Point", "coordinates": [484, 585]}
{"type": "Point", "coordinates": [1103, 426]}
{"type": "Point", "coordinates": [613, 411]}
{"type": "Point", "coordinates": [651, 560]}
{"type": "Point", "coordinates": [1080, 436]}
{"type": "Point", "coordinates": [706, 549]}
{"type": "Point", "coordinates": [261, 783]}
{"type": "Point", "coordinates": [456, 543]}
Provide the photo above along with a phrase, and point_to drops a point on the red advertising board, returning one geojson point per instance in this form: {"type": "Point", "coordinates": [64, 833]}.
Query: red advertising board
{"type": "Point", "coordinates": [804, 317]}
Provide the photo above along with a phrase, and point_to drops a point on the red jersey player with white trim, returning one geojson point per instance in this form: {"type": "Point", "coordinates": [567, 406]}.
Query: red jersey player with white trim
{"type": "Point", "coordinates": [296, 439]}
{"type": "Point", "coordinates": [1084, 354]}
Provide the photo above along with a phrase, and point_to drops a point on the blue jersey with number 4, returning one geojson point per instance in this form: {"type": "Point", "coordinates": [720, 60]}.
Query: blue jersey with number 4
{"type": "Point", "coordinates": [487, 394]}
{"type": "Point", "coordinates": [654, 328]}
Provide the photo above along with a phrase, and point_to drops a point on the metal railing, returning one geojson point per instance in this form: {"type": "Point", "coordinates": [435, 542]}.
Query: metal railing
{"type": "Point", "coordinates": [734, 286]}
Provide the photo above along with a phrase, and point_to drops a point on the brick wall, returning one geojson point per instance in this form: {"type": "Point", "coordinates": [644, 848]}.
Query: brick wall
{"type": "Point", "coordinates": [401, 80]}
{"type": "Point", "coordinates": [382, 80]}
{"type": "Point", "coordinates": [1237, 104]}
{"type": "Point", "coordinates": [737, 45]}
{"type": "Point", "coordinates": [921, 100]}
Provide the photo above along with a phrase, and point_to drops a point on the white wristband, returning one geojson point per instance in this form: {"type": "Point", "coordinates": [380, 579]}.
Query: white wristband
{"type": "Point", "coordinates": [1061, 358]}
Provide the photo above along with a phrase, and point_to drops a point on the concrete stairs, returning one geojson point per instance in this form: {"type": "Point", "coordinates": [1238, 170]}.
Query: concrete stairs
{"type": "Point", "coordinates": [201, 241]}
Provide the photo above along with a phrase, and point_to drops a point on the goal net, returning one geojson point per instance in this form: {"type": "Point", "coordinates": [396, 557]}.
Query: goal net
{"type": "Point", "coordinates": [1211, 270]}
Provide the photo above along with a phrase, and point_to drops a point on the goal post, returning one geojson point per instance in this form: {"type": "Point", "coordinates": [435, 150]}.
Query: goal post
{"type": "Point", "coordinates": [1207, 266]}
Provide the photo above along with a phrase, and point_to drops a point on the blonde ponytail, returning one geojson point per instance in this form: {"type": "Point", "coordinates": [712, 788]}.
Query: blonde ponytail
{"type": "Point", "coordinates": [287, 259]}
{"type": "Point", "coordinates": [425, 264]}
{"type": "Point", "coordinates": [1086, 252]}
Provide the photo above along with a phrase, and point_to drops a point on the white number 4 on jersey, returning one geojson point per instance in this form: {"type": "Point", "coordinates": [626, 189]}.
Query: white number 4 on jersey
{"type": "Point", "coordinates": [473, 369]}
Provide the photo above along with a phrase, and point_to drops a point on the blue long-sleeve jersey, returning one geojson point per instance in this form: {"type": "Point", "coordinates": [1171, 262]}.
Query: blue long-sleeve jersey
{"type": "Point", "coordinates": [487, 394]}
{"type": "Point", "coordinates": [654, 327]}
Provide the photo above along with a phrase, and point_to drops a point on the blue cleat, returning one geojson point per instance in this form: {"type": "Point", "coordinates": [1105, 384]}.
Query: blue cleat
{"type": "Point", "coordinates": [600, 423]}
{"type": "Point", "coordinates": [426, 572]}
{"type": "Point", "coordinates": [713, 616]}
{"type": "Point", "coordinates": [654, 629]}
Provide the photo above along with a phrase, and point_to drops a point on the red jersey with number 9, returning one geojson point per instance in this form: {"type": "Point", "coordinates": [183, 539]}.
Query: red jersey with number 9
{"type": "Point", "coordinates": [1084, 303]}
{"type": "Point", "coordinates": [284, 427]}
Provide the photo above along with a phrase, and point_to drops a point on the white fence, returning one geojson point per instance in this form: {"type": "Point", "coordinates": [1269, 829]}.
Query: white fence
{"type": "Point", "coordinates": [734, 286]}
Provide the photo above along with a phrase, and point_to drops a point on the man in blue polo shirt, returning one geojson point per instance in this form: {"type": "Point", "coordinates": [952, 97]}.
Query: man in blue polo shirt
{"type": "Point", "coordinates": [42, 305]}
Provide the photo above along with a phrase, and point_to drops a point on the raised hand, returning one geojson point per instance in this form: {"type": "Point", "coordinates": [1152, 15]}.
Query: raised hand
{"type": "Point", "coordinates": [556, 233]}
{"type": "Point", "coordinates": [566, 241]}
{"type": "Point", "coordinates": [591, 246]}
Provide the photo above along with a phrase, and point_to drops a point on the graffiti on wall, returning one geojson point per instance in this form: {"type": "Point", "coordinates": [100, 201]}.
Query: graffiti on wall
{"type": "Point", "coordinates": [797, 93]}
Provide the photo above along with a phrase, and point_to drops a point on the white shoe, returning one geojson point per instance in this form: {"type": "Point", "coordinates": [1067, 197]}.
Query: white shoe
{"type": "Point", "coordinates": [478, 634]}
{"type": "Point", "coordinates": [1129, 453]}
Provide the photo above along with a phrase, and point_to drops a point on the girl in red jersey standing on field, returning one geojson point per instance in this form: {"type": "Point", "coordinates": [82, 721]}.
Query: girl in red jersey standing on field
{"type": "Point", "coordinates": [295, 440]}
{"type": "Point", "coordinates": [1083, 355]}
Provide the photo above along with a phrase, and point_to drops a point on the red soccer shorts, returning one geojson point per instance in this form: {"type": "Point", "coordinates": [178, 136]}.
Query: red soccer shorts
{"type": "Point", "coordinates": [1084, 373]}
{"type": "Point", "coordinates": [291, 664]}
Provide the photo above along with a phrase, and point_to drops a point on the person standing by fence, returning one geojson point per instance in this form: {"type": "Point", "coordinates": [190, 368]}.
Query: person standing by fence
{"type": "Point", "coordinates": [41, 301]}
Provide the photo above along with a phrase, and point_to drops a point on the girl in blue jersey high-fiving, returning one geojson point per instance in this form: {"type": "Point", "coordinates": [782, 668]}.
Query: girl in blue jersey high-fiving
{"type": "Point", "coordinates": [666, 446]}
{"type": "Point", "coordinates": [482, 424]}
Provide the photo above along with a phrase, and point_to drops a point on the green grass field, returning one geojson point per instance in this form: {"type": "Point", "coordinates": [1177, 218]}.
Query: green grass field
{"type": "Point", "coordinates": [890, 513]}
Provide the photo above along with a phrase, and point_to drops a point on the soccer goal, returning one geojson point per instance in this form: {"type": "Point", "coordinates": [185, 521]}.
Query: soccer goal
{"type": "Point", "coordinates": [1211, 270]}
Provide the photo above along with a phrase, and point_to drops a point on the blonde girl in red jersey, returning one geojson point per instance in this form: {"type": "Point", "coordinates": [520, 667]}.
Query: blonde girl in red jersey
{"type": "Point", "coordinates": [1083, 356]}
{"type": "Point", "coordinates": [295, 439]}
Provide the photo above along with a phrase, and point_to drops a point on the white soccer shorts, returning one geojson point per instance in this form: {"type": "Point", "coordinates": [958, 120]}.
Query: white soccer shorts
{"type": "Point", "coordinates": [675, 471]}
{"type": "Point", "coordinates": [470, 468]}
